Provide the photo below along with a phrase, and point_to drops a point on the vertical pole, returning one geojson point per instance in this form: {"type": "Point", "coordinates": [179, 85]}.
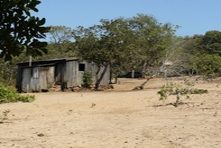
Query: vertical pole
{"type": "Point", "coordinates": [30, 60]}
{"type": "Point", "coordinates": [132, 74]}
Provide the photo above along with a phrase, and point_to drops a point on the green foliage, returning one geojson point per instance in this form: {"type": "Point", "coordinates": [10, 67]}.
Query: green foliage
{"type": "Point", "coordinates": [184, 89]}
{"type": "Point", "coordinates": [9, 94]}
{"type": "Point", "coordinates": [60, 34]}
{"type": "Point", "coordinates": [8, 72]}
{"type": "Point", "coordinates": [124, 43]}
{"type": "Point", "coordinates": [87, 79]}
{"type": "Point", "coordinates": [202, 54]}
{"type": "Point", "coordinates": [93, 105]}
{"type": "Point", "coordinates": [205, 53]}
{"type": "Point", "coordinates": [208, 64]}
{"type": "Point", "coordinates": [211, 42]}
{"type": "Point", "coordinates": [19, 30]}
{"type": "Point", "coordinates": [165, 91]}
{"type": "Point", "coordinates": [60, 43]}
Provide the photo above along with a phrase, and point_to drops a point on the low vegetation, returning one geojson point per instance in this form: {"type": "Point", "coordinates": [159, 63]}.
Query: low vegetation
{"type": "Point", "coordinates": [87, 79]}
{"type": "Point", "coordinates": [9, 94]}
{"type": "Point", "coordinates": [185, 89]}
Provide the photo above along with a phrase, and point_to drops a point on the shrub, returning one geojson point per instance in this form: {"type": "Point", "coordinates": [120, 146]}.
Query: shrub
{"type": "Point", "coordinates": [179, 90]}
{"type": "Point", "coordinates": [87, 79]}
{"type": "Point", "coordinates": [9, 94]}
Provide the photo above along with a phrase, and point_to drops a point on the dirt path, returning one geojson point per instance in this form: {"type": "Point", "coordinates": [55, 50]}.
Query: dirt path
{"type": "Point", "coordinates": [117, 118]}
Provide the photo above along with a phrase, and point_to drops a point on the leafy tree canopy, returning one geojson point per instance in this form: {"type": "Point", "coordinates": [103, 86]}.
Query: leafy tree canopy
{"type": "Point", "coordinates": [60, 34]}
{"type": "Point", "coordinates": [211, 42]}
{"type": "Point", "coordinates": [19, 30]}
{"type": "Point", "coordinates": [124, 42]}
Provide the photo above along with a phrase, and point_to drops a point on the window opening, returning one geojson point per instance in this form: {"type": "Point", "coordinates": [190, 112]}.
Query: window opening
{"type": "Point", "coordinates": [81, 67]}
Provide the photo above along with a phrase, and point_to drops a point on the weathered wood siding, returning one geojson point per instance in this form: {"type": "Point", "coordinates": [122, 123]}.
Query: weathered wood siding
{"type": "Point", "coordinates": [74, 74]}
{"type": "Point", "coordinates": [42, 75]}
{"type": "Point", "coordinates": [106, 77]}
{"type": "Point", "coordinates": [35, 80]}
{"type": "Point", "coordinates": [50, 76]}
{"type": "Point", "coordinates": [26, 77]}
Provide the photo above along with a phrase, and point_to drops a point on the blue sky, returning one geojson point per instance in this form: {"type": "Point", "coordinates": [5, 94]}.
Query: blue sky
{"type": "Point", "coordinates": [194, 16]}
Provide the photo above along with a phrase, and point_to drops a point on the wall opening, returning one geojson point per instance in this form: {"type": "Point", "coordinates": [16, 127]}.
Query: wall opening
{"type": "Point", "coordinates": [81, 67]}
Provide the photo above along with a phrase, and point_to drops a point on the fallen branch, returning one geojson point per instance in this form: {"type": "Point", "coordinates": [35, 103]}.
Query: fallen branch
{"type": "Point", "coordinates": [143, 84]}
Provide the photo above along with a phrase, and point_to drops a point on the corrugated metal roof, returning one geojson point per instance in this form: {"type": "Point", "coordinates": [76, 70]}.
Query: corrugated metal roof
{"type": "Point", "coordinates": [50, 61]}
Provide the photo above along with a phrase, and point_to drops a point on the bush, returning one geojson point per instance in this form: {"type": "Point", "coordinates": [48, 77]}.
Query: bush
{"type": "Point", "coordinates": [179, 90]}
{"type": "Point", "coordinates": [9, 94]}
{"type": "Point", "coordinates": [209, 65]}
{"type": "Point", "coordinates": [87, 79]}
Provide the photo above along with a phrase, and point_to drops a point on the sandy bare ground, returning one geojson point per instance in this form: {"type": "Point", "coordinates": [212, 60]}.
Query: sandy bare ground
{"type": "Point", "coordinates": [117, 118]}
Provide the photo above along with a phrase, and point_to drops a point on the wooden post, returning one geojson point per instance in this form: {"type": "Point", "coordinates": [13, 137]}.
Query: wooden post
{"type": "Point", "coordinates": [132, 74]}
{"type": "Point", "coordinates": [30, 61]}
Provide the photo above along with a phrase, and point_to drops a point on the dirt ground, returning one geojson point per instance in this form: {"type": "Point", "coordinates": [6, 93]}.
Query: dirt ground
{"type": "Point", "coordinates": [118, 118]}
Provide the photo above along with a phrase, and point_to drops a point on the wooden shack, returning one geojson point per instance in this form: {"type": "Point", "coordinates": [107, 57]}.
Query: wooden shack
{"type": "Point", "coordinates": [40, 76]}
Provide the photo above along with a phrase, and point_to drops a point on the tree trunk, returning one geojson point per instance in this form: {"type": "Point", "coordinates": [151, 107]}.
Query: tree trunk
{"type": "Point", "coordinates": [98, 81]}
{"type": "Point", "coordinates": [144, 67]}
{"type": "Point", "coordinates": [111, 76]}
{"type": "Point", "coordinates": [115, 82]}
{"type": "Point", "coordinates": [143, 84]}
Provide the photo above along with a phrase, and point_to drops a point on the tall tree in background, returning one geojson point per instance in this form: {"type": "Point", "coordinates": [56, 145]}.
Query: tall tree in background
{"type": "Point", "coordinates": [151, 40]}
{"type": "Point", "coordinates": [124, 42]}
{"type": "Point", "coordinates": [101, 44]}
{"type": "Point", "coordinates": [211, 42]}
{"type": "Point", "coordinates": [60, 34]}
{"type": "Point", "coordinates": [200, 54]}
{"type": "Point", "coordinates": [60, 42]}
{"type": "Point", "coordinates": [209, 54]}
{"type": "Point", "coordinates": [19, 30]}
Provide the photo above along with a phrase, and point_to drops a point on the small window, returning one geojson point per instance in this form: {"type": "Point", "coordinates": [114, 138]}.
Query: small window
{"type": "Point", "coordinates": [81, 67]}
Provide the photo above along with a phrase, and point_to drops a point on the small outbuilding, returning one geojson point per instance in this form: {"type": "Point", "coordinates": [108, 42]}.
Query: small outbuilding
{"type": "Point", "coordinates": [40, 76]}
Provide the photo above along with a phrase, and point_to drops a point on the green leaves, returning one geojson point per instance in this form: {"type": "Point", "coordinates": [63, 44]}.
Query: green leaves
{"type": "Point", "coordinates": [209, 65]}
{"type": "Point", "coordinates": [128, 42]}
{"type": "Point", "coordinates": [87, 79]}
{"type": "Point", "coordinates": [19, 29]}
{"type": "Point", "coordinates": [211, 42]}
{"type": "Point", "coordinates": [41, 22]}
{"type": "Point", "coordinates": [9, 94]}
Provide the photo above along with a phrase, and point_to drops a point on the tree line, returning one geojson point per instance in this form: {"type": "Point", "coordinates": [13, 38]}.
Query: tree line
{"type": "Point", "coordinates": [139, 43]}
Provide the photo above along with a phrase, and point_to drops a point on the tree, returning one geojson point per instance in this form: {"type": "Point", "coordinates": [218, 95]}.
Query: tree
{"type": "Point", "coordinates": [125, 43]}
{"type": "Point", "coordinates": [19, 30]}
{"type": "Point", "coordinates": [211, 42]}
{"type": "Point", "coordinates": [205, 51]}
{"type": "Point", "coordinates": [208, 65]}
{"type": "Point", "coordinates": [60, 34]}
{"type": "Point", "coordinates": [60, 43]}
{"type": "Point", "coordinates": [101, 44]}
{"type": "Point", "coordinates": [151, 40]}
